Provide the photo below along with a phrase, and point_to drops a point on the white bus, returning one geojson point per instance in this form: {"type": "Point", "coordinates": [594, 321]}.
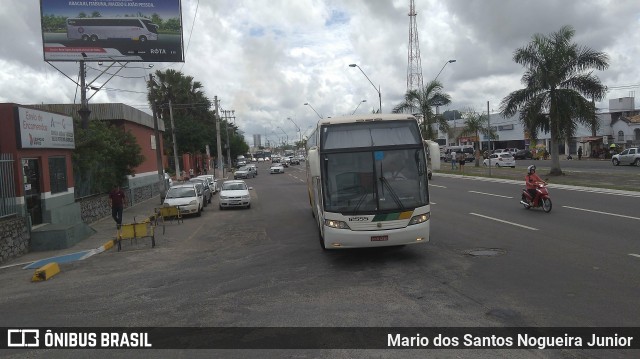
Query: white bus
{"type": "Point", "coordinates": [102, 28]}
{"type": "Point", "coordinates": [367, 181]}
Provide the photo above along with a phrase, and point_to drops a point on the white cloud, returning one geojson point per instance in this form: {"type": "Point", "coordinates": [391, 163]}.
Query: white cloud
{"type": "Point", "coordinates": [265, 59]}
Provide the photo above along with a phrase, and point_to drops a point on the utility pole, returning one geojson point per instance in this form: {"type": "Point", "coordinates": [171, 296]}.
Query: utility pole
{"type": "Point", "coordinates": [226, 126]}
{"type": "Point", "coordinates": [218, 140]}
{"type": "Point", "coordinates": [84, 111]}
{"type": "Point", "coordinates": [156, 133]}
{"type": "Point", "coordinates": [175, 145]}
{"type": "Point", "coordinates": [489, 125]}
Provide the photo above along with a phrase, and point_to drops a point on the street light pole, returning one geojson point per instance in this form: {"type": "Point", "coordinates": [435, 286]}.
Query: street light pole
{"type": "Point", "coordinates": [287, 136]}
{"type": "Point", "coordinates": [445, 64]}
{"type": "Point", "coordinates": [354, 111]}
{"type": "Point", "coordinates": [374, 86]}
{"type": "Point", "coordinates": [297, 129]}
{"type": "Point", "coordinates": [314, 110]}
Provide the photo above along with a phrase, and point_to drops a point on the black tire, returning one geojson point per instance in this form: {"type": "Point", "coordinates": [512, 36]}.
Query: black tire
{"type": "Point", "coordinates": [85, 38]}
{"type": "Point", "coordinates": [615, 161]}
{"type": "Point", "coordinates": [199, 213]}
{"type": "Point", "coordinates": [249, 206]}
{"type": "Point", "coordinates": [142, 39]}
{"type": "Point", "coordinates": [221, 208]}
{"type": "Point", "coordinates": [524, 199]}
{"type": "Point", "coordinates": [637, 162]}
{"type": "Point", "coordinates": [546, 205]}
{"type": "Point", "coordinates": [94, 38]}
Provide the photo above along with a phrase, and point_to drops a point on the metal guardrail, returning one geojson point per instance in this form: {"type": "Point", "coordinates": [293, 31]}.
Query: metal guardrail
{"type": "Point", "coordinates": [8, 205]}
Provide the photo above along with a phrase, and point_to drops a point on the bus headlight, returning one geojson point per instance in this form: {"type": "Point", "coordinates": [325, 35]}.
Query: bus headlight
{"type": "Point", "coordinates": [420, 218]}
{"type": "Point", "coordinates": [336, 224]}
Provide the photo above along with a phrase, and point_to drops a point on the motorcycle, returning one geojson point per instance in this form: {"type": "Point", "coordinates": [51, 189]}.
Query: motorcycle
{"type": "Point", "coordinates": [541, 199]}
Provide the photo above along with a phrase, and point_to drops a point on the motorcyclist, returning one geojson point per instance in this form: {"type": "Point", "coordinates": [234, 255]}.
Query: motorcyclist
{"type": "Point", "coordinates": [532, 180]}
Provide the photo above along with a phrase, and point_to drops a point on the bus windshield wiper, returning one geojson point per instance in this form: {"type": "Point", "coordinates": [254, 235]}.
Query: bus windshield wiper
{"type": "Point", "coordinates": [392, 193]}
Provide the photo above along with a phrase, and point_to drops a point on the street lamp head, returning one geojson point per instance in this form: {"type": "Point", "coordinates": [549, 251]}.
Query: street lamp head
{"type": "Point", "coordinates": [450, 61]}
{"type": "Point", "coordinates": [306, 104]}
{"type": "Point", "coordinates": [352, 65]}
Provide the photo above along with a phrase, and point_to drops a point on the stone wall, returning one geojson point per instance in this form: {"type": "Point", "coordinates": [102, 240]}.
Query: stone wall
{"type": "Point", "coordinates": [97, 207]}
{"type": "Point", "coordinates": [14, 238]}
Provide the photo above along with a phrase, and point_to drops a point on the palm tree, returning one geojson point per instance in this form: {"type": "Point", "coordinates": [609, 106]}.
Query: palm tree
{"type": "Point", "coordinates": [475, 124]}
{"type": "Point", "coordinates": [557, 87]}
{"type": "Point", "coordinates": [422, 101]}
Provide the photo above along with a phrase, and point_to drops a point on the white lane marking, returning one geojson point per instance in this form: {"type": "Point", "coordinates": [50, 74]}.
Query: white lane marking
{"type": "Point", "coordinates": [503, 221]}
{"type": "Point", "coordinates": [491, 194]}
{"type": "Point", "coordinates": [435, 185]}
{"type": "Point", "coordinates": [599, 212]}
{"type": "Point", "coordinates": [635, 255]}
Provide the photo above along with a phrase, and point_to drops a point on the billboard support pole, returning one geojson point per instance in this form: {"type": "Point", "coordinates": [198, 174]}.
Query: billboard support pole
{"type": "Point", "coordinates": [84, 111]}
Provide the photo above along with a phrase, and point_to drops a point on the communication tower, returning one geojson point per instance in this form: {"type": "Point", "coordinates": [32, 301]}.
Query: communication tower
{"type": "Point", "coordinates": [414, 68]}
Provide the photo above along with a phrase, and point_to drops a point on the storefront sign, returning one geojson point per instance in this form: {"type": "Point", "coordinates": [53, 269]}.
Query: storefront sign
{"type": "Point", "coordinates": [40, 129]}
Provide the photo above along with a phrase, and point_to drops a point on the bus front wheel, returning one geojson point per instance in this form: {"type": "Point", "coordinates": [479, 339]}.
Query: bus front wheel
{"type": "Point", "coordinates": [143, 39]}
{"type": "Point", "coordinates": [85, 37]}
{"type": "Point", "coordinates": [94, 38]}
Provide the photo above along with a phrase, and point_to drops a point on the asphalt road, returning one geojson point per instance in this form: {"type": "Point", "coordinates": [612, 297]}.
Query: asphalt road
{"type": "Point", "coordinates": [576, 266]}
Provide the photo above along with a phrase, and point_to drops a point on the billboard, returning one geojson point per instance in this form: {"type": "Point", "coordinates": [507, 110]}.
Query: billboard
{"type": "Point", "coordinates": [124, 30]}
{"type": "Point", "coordinates": [40, 129]}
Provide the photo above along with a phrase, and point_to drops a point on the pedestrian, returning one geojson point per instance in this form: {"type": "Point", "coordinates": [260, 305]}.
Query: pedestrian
{"type": "Point", "coordinates": [191, 175]}
{"type": "Point", "coordinates": [117, 200]}
{"type": "Point", "coordinates": [579, 153]}
{"type": "Point", "coordinates": [461, 161]}
{"type": "Point", "coordinates": [453, 160]}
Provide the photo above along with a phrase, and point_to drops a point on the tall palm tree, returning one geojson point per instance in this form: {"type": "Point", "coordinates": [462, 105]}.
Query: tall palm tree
{"type": "Point", "coordinates": [475, 124]}
{"type": "Point", "coordinates": [557, 87]}
{"type": "Point", "coordinates": [422, 101]}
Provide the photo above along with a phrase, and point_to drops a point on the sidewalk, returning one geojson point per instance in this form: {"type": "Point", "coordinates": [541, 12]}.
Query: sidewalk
{"type": "Point", "coordinates": [105, 231]}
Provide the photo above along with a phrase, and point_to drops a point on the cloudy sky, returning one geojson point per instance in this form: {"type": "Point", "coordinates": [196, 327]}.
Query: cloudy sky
{"type": "Point", "coordinates": [266, 58]}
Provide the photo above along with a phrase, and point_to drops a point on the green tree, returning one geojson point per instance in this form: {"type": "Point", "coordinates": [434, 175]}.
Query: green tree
{"type": "Point", "coordinates": [476, 124]}
{"type": "Point", "coordinates": [559, 88]}
{"type": "Point", "coordinates": [422, 101]}
{"type": "Point", "coordinates": [104, 156]}
{"type": "Point", "coordinates": [194, 123]}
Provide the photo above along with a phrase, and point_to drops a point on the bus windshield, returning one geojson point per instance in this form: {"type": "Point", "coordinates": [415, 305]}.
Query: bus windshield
{"type": "Point", "coordinates": [375, 181]}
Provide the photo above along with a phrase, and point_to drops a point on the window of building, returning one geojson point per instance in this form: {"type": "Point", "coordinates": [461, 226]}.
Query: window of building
{"type": "Point", "coordinates": [637, 134]}
{"type": "Point", "coordinates": [620, 136]}
{"type": "Point", "coordinates": [58, 174]}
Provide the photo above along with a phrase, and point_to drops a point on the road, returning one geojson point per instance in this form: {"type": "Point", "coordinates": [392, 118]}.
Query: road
{"type": "Point", "coordinates": [490, 263]}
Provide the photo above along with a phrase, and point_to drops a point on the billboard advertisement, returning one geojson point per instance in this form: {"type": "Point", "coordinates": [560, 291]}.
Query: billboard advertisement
{"type": "Point", "coordinates": [40, 129]}
{"type": "Point", "coordinates": [123, 30]}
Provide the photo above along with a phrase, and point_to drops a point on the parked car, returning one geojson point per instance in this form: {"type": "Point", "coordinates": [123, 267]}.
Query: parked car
{"type": "Point", "coordinates": [235, 193]}
{"type": "Point", "coordinates": [243, 172]}
{"type": "Point", "coordinates": [500, 160]}
{"type": "Point", "coordinates": [203, 187]}
{"type": "Point", "coordinates": [186, 198]}
{"type": "Point", "coordinates": [523, 155]}
{"type": "Point", "coordinates": [276, 168]}
{"type": "Point", "coordinates": [630, 156]}
{"type": "Point", "coordinates": [512, 151]}
{"type": "Point", "coordinates": [213, 183]}
{"type": "Point", "coordinates": [253, 168]}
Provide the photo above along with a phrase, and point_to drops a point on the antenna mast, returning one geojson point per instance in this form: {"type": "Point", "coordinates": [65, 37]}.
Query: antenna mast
{"type": "Point", "coordinates": [414, 68]}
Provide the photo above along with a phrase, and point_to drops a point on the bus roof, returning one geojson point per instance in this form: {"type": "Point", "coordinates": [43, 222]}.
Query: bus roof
{"type": "Point", "coordinates": [365, 118]}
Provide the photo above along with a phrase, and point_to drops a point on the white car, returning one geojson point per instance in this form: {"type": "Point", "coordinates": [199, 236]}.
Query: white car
{"type": "Point", "coordinates": [276, 168]}
{"type": "Point", "coordinates": [213, 183]}
{"type": "Point", "coordinates": [243, 172]}
{"type": "Point", "coordinates": [235, 193]}
{"type": "Point", "coordinates": [186, 198]}
{"type": "Point", "coordinates": [500, 160]}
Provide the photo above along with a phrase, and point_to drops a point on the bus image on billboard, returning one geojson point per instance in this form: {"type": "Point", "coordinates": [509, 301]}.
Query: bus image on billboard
{"type": "Point", "coordinates": [102, 28]}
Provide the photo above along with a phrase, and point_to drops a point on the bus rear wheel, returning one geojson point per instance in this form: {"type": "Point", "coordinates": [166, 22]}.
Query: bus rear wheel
{"type": "Point", "coordinates": [143, 39]}
{"type": "Point", "coordinates": [85, 37]}
{"type": "Point", "coordinates": [94, 38]}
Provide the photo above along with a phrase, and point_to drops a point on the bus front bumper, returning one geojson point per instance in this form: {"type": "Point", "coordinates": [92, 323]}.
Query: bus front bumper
{"type": "Point", "coordinates": [335, 238]}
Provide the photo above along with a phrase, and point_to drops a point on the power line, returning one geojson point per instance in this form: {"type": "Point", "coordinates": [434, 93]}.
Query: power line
{"type": "Point", "coordinates": [193, 23]}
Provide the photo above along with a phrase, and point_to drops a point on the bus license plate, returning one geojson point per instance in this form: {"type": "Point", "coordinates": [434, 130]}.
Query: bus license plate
{"type": "Point", "coordinates": [379, 238]}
